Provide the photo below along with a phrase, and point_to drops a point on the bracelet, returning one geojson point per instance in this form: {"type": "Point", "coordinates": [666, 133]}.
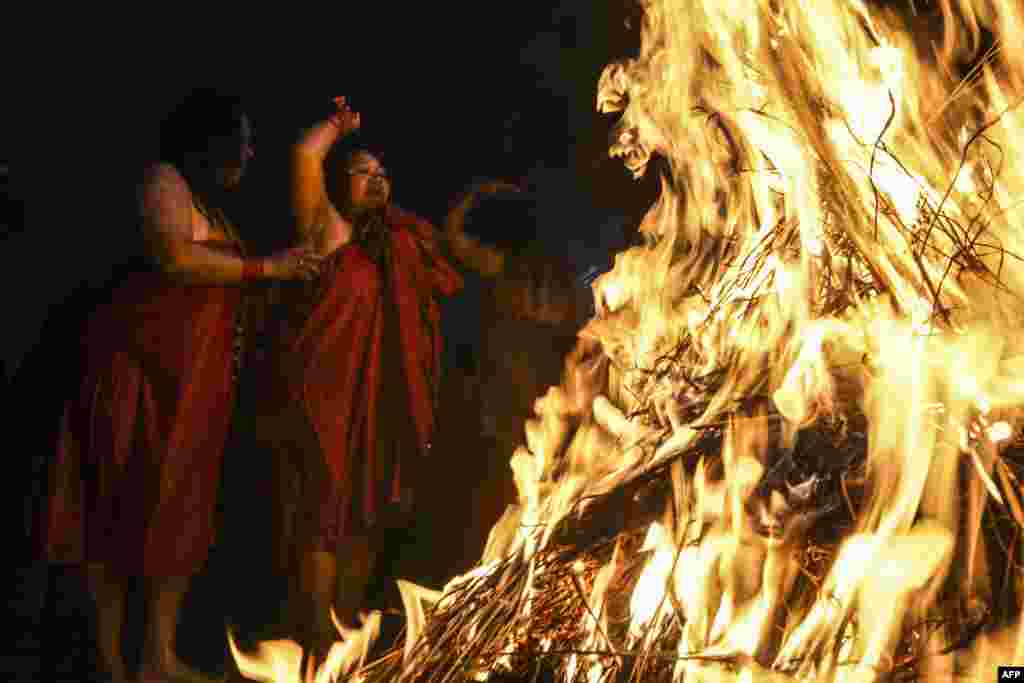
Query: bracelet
{"type": "Point", "coordinates": [253, 269]}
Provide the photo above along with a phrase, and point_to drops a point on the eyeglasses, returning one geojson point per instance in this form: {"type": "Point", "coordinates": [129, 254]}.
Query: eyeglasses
{"type": "Point", "coordinates": [380, 175]}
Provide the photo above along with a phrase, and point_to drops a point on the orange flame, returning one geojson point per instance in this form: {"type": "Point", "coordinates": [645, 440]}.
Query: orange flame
{"type": "Point", "coordinates": [835, 255]}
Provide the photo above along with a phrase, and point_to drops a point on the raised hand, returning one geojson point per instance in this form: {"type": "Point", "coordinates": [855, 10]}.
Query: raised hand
{"type": "Point", "coordinates": [346, 120]}
{"type": "Point", "coordinates": [469, 198]}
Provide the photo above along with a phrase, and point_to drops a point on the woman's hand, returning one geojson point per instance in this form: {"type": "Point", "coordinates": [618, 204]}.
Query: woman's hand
{"type": "Point", "coordinates": [297, 263]}
{"type": "Point", "coordinates": [485, 260]}
{"type": "Point", "coordinates": [346, 120]}
{"type": "Point", "coordinates": [465, 203]}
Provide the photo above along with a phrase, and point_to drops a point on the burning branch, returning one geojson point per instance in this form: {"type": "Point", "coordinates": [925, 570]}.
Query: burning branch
{"type": "Point", "coordinates": [784, 445]}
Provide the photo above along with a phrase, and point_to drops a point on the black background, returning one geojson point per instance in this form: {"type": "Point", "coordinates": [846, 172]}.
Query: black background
{"type": "Point", "coordinates": [448, 92]}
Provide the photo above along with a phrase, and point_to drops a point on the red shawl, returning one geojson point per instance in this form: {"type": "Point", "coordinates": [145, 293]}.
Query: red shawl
{"type": "Point", "coordinates": [360, 369]}
{"type": "Point", "coordinates": [134, 484]}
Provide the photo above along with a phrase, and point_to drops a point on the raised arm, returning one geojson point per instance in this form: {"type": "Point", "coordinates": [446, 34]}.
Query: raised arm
{"type": "Point", "coordinates": [166, 206]}
{"type": "Point", "coordinates": [485, 260]}
{"type": "Point", "coordinates": [310, 202]}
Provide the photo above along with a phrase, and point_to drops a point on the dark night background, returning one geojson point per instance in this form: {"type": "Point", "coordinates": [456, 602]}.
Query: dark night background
{"type": "Point", "coordinates": [448, 93]}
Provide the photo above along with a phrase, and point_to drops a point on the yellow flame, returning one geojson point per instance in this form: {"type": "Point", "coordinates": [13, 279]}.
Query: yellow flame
{"type": "Point", "coordinates": [280, 661]}
{"type": "Point", "coordinates": [809, 242]}
{"type": "Point", "coordinates": [836, 251]}
{"type": "Point", "coordinates": [649, 592]}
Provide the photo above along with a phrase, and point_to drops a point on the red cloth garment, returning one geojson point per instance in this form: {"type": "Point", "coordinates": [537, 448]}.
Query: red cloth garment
{"type": "Point", "coordinates": [134, 484]}
{"type": "Point", "coordinates": [356, 376]}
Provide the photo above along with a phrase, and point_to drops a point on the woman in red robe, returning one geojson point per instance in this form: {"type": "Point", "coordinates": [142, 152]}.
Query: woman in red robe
{"type": "Point", "coordinates": [357, 373]}
{"type": "Point", "coordinates": [134, 483]}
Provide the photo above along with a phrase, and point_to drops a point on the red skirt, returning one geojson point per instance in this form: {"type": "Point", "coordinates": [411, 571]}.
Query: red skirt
{"type": "Point", "coordinates": [135, 479]}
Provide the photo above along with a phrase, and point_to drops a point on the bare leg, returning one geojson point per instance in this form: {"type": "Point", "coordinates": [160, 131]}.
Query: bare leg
{"type": "Point", "coordinates": [356, 558]}
{"type": "Point", "coordinates": [108, 593]}
{"type": "Point", "coordinates": [159, 660]}
{"type": "Point", "coordinates": [310, 605]}
{"type": "Point", "coordinates": [316, 582]}
{"type": "Point", "coordinates": [324, 582]}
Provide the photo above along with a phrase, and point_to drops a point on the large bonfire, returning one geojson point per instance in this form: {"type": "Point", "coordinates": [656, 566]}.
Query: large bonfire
{"type": "Point", "coordinates": [785, 445]}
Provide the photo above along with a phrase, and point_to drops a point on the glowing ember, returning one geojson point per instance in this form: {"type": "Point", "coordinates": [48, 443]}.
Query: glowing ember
{"type": "Point", "coordinates": [783, 448]}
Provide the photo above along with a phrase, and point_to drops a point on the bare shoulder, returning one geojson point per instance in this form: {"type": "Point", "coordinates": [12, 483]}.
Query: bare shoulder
{"type": "Point", "coordinates": [162, 181]}
{"type": "Point", "coordinates": [165, 203]}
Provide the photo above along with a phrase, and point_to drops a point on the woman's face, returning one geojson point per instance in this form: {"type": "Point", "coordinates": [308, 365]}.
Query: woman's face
{"type": "Point", "coordinates": [369, 186]}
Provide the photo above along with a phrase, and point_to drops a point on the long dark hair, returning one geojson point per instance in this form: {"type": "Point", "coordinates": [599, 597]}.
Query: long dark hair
{"type": "Point", "coordinates": [201, 135]}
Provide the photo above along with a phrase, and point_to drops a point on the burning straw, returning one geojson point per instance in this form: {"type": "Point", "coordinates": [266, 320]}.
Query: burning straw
{"type": "Point", "coordinates": [784, 445]}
